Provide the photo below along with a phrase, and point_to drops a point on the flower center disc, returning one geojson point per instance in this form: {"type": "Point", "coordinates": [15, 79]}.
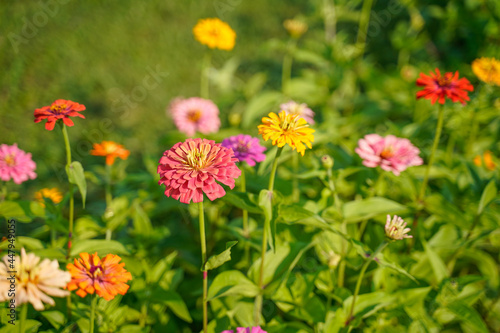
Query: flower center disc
{"type": "Point", "coordinates": [58, 109]}
{"type": "Point", "coordinates": [387, 153]}
{"type": "Point", "coordinates": [194, 115]}
{"type": "Point", "coordinates": [10, 160]}
{"type": "Point", "coordinates": [445, 80]}
{"type": "Point", "coordinates": [196, 159]}
{"type": "Point", "coordinates": [96, 271]}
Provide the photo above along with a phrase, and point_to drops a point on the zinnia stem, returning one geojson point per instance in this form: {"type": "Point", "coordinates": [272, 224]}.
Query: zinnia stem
{"type": "Point", "coordinates": [360, 278]}
{"type": "Point", "coordinates": [204, 259]}
{"type": "Point", "coordinates": [286, 73]}
{"type": "Point", "coordinates": [93, 303]}
{"type": "Point", "coordinates": [295, 180]}
{"type": "Point", "coordinates": [273, 170]}
{"type": "Point", "coordinates": [22, 321]}
{"type": "Point", "coordinates": [71, 197]}
{"type": "Point", "coordinates": [205, 84]}
{"type": "Point", "coordinates": [109, 196]}
{"type": "Point", "coordinates": [363, 26]}
{"type": "Point", "coordinates": [243, 185]}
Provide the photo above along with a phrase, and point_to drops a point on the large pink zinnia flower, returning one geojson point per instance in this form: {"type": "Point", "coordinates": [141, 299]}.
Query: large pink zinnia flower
{"type": "Point", "coordinates": [191, 168]}
{"type": "Point", "coordinates": [390, 153]}
{"type": "Point", "coordinates": [195, 114]}
{"type": "Point", "coordinates": [246, 330]}
{"type": "Point", "coordinates": [16, 164]}
{"type": "Point", "coordinates": [302, 110]}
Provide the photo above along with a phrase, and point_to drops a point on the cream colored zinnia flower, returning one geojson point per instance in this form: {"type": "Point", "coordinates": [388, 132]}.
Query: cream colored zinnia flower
{"type": "Point", "coordinates": [35, 280]}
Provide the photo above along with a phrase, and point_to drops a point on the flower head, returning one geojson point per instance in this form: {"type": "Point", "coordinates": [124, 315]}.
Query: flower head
{"type": "Point", "coordinates": [487, 70]}
{"type": "Point", "coordinates": [111, 150]}
{"type": "Point", "coordinates": [390, 153]}
{"type": "Point", "coordinates": [16, 164]}
{"type": "Point", "coordinates": [245, 148]}
{"type": "Point", "coordinates": [395, 228]}
{"type": "Point", "coordinates": [34, 281]}
{"type": "Point", "coordinates": [295, 28]}
{"type": "Point", "coordinates": [49, 193]}
{"type": "Point", "coordinates": [107, 278]}
{"type": "Point", "coordinates": [60, 109]}
{"type": "Point", "coordinates": [246, 330]}
{"type": "Point", "coordinates": [299, 109]}
{"type": "Point", "coordinates": [214, 33]}
{"type": "Point", "coordinates": [437, 87]}
{"type": "Point", "coordinates": [195, 114]}
{"type": "Point", "coordinates": [488, 160]}
{"type": "Point", "coordinates": [191, 168]}
{"type": "Point", "coordinates": [287, 129]}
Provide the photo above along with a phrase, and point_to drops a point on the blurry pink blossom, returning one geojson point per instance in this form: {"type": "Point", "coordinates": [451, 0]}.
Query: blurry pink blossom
{"type": "Point", "coordinates": [16, 164]}
{"type": "Point", "coordinates": [302, 110]}
{"type": "Point", "coordinates": [246, 330]}
{"type": "Point", "coordinates": [195, 114]}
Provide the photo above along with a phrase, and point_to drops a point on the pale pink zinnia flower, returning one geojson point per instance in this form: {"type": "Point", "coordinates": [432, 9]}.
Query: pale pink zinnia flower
{"type": "Point", "coordinates": [395, 228]}
{"type": "Point", "coordinates": [390, 153]}
{"type": "Point", "coordinates": [302, 110]}
{"type": "Point", "coordinates": [34, 281]}
{"type": "Point", "coordinates": [195, 114]}
{"type": "Point", "coordinates": [191, 168]}
{"type": "Point", "coordinates": [246, 330]}
{"type": "Point", "coordinates": [16, 164]}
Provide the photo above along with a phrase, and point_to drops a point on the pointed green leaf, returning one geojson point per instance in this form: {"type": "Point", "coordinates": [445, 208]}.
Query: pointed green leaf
{"type": "Point", "coordinates": [489, 194]}
{"type": "Point", "coordinates": [219, 259]}
{"type": "Point", "coordinates": [76, 175]}
{"type": "Point", "coordinates": [469, 316]}
{"type": "Point", "coordinates": [356, 211]}
{"type": "Point", "coordinates": [437, 263]}
{"type": "Point", "coordinates": [98, 245]}
{"type": "Point", "coordinates": [232, 283]}
{"type": "Point", "coordinates": [242, 201]}
{"type": "Point", "coordinates": [172, 300]}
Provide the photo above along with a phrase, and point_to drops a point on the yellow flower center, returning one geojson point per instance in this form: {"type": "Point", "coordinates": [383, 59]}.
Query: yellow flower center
{"type": "Point", "coordinates": [387, 153]}
{"type": "Point", "coordinates": [196, 159]}
{"type": "Point", "coordinates": [9, 159]}
{"type": "Point", "coordinates": [445, 80]}
{"type": "Point", "coordinates": [96, 271]}
{"type": "Point", "coordinates": [58, 108]}
{"type": "Point", "coordinates": [194, 115]}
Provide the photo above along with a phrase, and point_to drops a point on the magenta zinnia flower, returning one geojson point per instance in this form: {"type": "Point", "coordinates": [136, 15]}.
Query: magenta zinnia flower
{"type": "Point", "coordinates": [16, 164]}
{"type": "Point", "coordinates": [390, 153]}
{"type": "Point", "coordinates": [300, 109]}
{"type": "Point", "coordinates": [246, 330]}
{"type": "Point", "coordinates": [195, 114]}
{"type": "Point", "coordinates": [245, 148]}
{"type": "Point", "coordinates": [191, 168]}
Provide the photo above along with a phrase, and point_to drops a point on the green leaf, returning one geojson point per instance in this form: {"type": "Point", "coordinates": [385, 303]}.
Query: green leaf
{"type": "Point", "coordinates": [242, 200]}
{"type": "Point", "coordinates": [384, 263]}
{"type": "Point", "coordinates": [13, 210]}
{"type": "Point", "coordinates": [55, 318]}
{"type": "Point", "coordinates": [294, 213]}
{"type": "Point", "coordinates": [356, 211]}
{"type": "Point", "coordinates": [469, 316]}
{"type": "Point", "coordinates": [98, 245]}
{"type": "Point", "coordinates": [141, 221]}
{"type": "Point", "coordinates": [172, 300]}
{"type": "Point", "coordinates": [76, 175]}
{"type": "Point", "coordinates": [260, 105]}
{"type": "Point", "coordinates": [437, 263]}
{"type": "Point", "coordinates": [489, 194]}
{"type": "Point", "coordinates": [219, 259]}
{"type": "Point", "coordinates": [232, 283]}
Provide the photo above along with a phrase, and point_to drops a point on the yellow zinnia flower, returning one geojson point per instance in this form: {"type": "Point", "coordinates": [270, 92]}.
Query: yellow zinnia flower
{"type": "Point", "coordinates": [487, 70]}
{"type": "Point", "coordinates": [214, 33]}
{"type": "Point", "coordinates": [287, 129]}
{"type": "Point", "coordinates": [50, 193]}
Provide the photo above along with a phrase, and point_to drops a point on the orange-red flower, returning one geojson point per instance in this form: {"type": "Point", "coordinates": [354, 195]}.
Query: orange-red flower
{"type": "Point", "coordinates": [488, 160]}
{"type": "Point", "coordinates": [60, 109]}
{"type": "Point", "coordinates": [106, 278]}
{"type": "Point", "coordinates": [437, 87]}
{"type": "Point", "coordinates": [111, 150]}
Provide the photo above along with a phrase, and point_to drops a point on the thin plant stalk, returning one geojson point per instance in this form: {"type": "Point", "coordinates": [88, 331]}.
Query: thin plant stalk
{"type": "Point", "coordinates": [363, 26]}
{"type": "Point", "coordinates": [330, 20]}
{"type": "Point", "coordinates": [246, 231]}
{"type": "Point", "coordinates": [360, 278]}
{"type": "Point", "coordinates": [93, 303]}
{"type": "Point", "coordinates": [109, 196]}
{"type": "Point", "coordinates": [204, 260]}
{"type": "Point", "coordinates": [295, 180]}
{"type": "Point", "coordinates": [286, 72]}
{"type": "Point", "coordinates": [22, 320]}
{"type": "Point", "coordinates": [205, 84]}
{"type": "Point", "coordinates": [71, 196]}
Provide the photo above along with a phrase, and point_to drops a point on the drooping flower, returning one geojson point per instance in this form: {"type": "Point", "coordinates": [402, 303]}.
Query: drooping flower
{"type": "Point", "coordinates": [487, 70]}
{"type": "Point", "coordinates": [214, 33]}
{"type": "Point", "coordinates": [60, 109]}
{"type": "Point", "coordinates": [295, 28]}
{"type": "Point", "coordinates": [488, 160]}
{"type": "Point", "coordinates": [390, 153]}
{"type": "Point", "coordinates": [191, 168]}
{"type": "Point", "coordinates": [49, 193]}
{"type": "Point", "coordinates": [287, 129]}
{"type": "Point", "coordinates": [437, 87]}
{"type": "Point", "coordinates": [245, 148]}
{"type": "Point", "coordinates": [195, 114]}
{"type": "Point", "coordinates": [33, 281]}
{"type": "Point", "coordinates": [107, 277]}
{"type": "Point", "coordinates": [16, 164]}
{"type": "Point", "coordinates": [396, 229]}
{"type": "Point", "coordinates": [111, 150]}
{"type": "Point", "coordinates": [302, 110]}
{"type": "Point", "coordinates": [246, 330]}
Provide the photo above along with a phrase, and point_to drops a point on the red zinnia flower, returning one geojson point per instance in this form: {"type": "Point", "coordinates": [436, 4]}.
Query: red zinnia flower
{"type": "Point", "coordinates": [60, 109]}
{"type": "Point", "coordinates": [439, 86]}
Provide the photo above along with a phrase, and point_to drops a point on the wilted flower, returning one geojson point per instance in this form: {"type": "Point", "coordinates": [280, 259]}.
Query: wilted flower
{"type": "Point", "coordinates": [302, 110]}
{"type": "Point", "coordinates": [214, 33]}
{"type": "Point", "coordinates": [16, 164]}
{"type": "Point", "coordinates": [390, 153]}
{"type": "Point", "coordinates": [191, 168]}
{"type": "Point", "coordinates": [49, 193]}
{"type": "Point", "coordinates": [111, 150]}
{"type": "Point", "coordinates": [395, 228]}
{"type": "Point", "coordinates": [287, 129]}
{"type": "Point", "coordinates": [106, 278]}
{"type": "Point", "coordinates": [295, 28]}
{"type": "Point", "coordinates": [246, 330]}
{"type": "Point", "coordinates": [487, 70]}
{"type": "Point", "coordinates": [195, 114]}
{"type": "Point", "coordinates": [245, 148]}
{"type": "Point", "coordinates": [437, 87]}
{"type": "Point", "coordinates": [34, 281]}
{"type": "Point", "coordinates": [488, 160]}
{"type": "Point", "coordinates": [60, 109]}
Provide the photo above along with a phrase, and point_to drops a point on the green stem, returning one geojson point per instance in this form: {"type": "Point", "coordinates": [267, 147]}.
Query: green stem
{"type": "Point", "coordinates": [363, 26]}
{"type": "Point", "coordinates": [205, 84]}
{"type": "Point", "coordinates": [93, 303]}
{"type": "Point", "coordinates": [286, 72]}
{"type": "Point", "coordinates": [3, 193]}
{"type": "Point", "coordinates": [360, 278]}
{"type": "Point", "coordinates": [71, 197]}
{"type": "Point", "coordinates": [329, 296]}
{"type": "Point", "coordinates": [109, 196]}
{"type": "Point", "coordinates": [273, 170]}
{"type": "Point", "coordinates": [22, 320]}
{"type": "Point", "coordinates": [330, 20]}
{"type": "Point", "coordinates": [246, 231]}
{"type": "Point", "coordinates": [295, 180]}
{"type": "Point", "coordinates": [204, 260]}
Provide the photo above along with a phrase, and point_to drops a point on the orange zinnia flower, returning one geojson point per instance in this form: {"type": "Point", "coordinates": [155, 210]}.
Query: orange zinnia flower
{"type": "Point", "coordinates": [106, 278]}
{"type": "Point", "coordinates": [437, 87]}
{"type": "Point", "coordinates": [111, 150]}
{"type": "Point", "coordinates": [60, 109]}
{"type": "Point", "coordinates": [50, 193]}
{"type": "Point", "coordinates": [488, 160]}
